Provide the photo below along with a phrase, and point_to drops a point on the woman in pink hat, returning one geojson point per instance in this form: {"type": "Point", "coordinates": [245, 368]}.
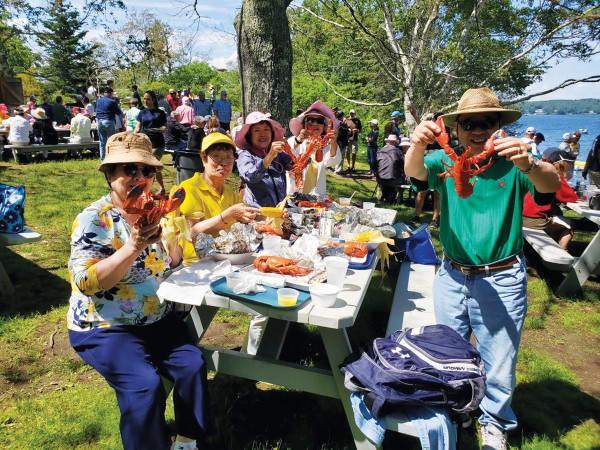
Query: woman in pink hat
{"type": "Point", "coordinates": [314, 123]}
{"type": "Point", "coordinates": [262, 161]}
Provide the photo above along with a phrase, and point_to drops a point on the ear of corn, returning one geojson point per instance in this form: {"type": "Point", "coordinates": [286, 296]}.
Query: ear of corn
{"type": "Point", "coordinates": [269, 211]}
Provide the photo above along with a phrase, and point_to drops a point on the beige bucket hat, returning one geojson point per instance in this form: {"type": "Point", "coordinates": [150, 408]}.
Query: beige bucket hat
{"type": "Point", "coordinates": [129, 147]}
{"type": "Point", "coordinates": [481, 100]}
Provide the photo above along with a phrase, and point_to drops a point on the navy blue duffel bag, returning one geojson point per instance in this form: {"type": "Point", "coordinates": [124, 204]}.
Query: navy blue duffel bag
{"type": "Point", "coordinates": [429, 365]}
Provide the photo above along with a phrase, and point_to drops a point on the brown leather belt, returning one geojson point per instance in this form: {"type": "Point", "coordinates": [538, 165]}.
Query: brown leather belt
{"type": "Point", "coordinates": [498, 266]}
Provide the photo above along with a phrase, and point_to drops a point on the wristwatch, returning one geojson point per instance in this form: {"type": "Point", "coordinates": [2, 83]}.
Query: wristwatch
{"type": "Point", "coordinates": [534, 165]}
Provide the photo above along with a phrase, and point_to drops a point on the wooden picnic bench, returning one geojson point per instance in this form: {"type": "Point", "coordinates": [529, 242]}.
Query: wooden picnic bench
{"type": "Point", "coordinates": [554, 257]}
{"type": "Point", "coordinates": [24, 237]}
{"type": "Point", "coordinates": [16, 149]}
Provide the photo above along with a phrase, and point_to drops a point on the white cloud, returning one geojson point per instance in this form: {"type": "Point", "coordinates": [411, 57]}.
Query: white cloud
{"type": "Point", "coordinates": [224, 62]}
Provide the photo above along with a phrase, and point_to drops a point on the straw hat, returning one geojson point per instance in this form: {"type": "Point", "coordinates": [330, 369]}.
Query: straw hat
{"type": "Point", "coordinates": [129, 147]}
{"type": "Point", "coordinates": [39, 113]}
{"type": "Point", "coordinates": [252, 119]}
{"type": "Point", "coordinates": [481, 100]}
{"type": "Point", "coordinates": [392, 139]}
{"type": "Point", "coordinates": [216, 138]}
{"type": "Point", "coordinates": [318, 108]}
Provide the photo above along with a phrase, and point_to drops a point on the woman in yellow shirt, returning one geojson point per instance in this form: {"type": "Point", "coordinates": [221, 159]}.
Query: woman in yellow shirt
{"type": "Point", "coordinates": [210, 205]}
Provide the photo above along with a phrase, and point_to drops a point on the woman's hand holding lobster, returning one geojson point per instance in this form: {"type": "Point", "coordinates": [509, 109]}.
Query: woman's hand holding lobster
{"type": "Point", "coordinates": [142, 237]}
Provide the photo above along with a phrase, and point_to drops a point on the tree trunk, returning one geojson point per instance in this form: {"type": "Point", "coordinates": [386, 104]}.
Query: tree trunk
{"type": "Point", "coordinates": [265, 58]}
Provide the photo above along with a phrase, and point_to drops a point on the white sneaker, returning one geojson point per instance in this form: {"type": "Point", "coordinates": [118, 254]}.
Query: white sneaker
{"type": "Point", "coordinates": [493, 438]}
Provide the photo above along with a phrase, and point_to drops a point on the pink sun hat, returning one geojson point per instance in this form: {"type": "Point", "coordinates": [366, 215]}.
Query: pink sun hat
{"type": "Point", "coordinates": [254, 118]}
{"type": "Point", "coordinates": [318, 108]}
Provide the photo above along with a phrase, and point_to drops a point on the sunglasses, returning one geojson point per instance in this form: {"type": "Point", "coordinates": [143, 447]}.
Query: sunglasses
{"type": "Point", "coordinates": [132, 169]}
{"type": "Point", "coordinates": [225, 160]}
{"type": "Point", "coordinates": [486, 124]}
{"type": "Point", "coordinates": [312, 120]}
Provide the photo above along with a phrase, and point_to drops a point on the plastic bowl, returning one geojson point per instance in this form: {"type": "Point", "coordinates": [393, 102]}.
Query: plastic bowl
{"type": "Point", "coordinates": [236, 259]}
{"type": "Point", "coordinates": [324, 294]}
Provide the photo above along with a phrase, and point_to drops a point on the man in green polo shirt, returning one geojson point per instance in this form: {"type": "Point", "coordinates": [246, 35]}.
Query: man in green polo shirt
{"type": "Point", "coordinates": [481, 287]}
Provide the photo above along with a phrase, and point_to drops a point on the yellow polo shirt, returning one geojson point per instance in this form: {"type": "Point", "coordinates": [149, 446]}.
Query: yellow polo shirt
{"type": "Point", "coordinates": [199, 196]}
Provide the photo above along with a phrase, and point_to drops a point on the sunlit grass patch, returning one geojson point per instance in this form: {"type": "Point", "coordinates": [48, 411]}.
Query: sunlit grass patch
{"type": "Point", "coordinates": [539, 304]}
{"type": "Point", "coordinates": [80, 416]}
{"type": "Point", "coordinates": [580, 316]}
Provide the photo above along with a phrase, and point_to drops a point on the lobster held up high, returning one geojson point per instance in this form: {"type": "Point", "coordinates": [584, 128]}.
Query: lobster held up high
{"type": "Point", "coordinates": [151, 207]}
{"type": "Point", "coordinates": [314, 146]}
{"type": "Point", "coordinates": [465, 167]}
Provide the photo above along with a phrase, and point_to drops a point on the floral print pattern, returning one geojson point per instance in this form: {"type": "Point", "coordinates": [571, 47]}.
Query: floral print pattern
{"type": "Point", "coordinates": [97, 233]}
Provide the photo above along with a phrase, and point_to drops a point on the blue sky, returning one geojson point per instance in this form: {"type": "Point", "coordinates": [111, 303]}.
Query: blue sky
{"type": "Point", "coordinates": [219, 47]}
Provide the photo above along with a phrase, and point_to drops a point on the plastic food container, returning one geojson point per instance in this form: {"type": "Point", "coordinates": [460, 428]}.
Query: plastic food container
{"type": "Point", "coordinates": [233, 279]}
{"type": "Point", "coordinates": [287, 296]}
{"type": "Point", "coordinates": [324, 294]}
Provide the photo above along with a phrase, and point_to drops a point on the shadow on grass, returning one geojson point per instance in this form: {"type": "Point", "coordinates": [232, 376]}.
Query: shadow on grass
{"type": "Point", "coordinates": [552, 408]}
{"type": "Point", "coordinates": [36, 289]}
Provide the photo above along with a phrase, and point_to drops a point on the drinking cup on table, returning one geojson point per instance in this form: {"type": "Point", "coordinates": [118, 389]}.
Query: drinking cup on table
{"type": "Point", "coordinates": [336, 268]}
{"type": "Point", "coordinates": [287, 296]}
{"type": "Point", "coordinates": [271, 241]}
{"type": "Point", "coordinates": [344, 201]}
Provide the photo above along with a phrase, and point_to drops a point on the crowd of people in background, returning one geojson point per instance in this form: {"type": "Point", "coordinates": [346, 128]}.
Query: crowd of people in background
{"type": "Point", "coordinates": [179, 120]}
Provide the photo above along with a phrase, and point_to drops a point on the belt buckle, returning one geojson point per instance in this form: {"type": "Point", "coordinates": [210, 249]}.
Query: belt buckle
{"type": "Point", "coordinates": [468, 271]}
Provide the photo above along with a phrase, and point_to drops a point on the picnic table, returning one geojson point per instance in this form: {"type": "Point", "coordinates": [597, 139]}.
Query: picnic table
{"type": "Point", "coordinates": [332, 324]}
{"type": "Point", "coordinates": [589, 261]}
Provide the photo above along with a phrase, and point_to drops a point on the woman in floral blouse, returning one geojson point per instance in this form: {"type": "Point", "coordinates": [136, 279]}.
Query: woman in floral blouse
{"type": "Point", "coordinates": [117, 323]}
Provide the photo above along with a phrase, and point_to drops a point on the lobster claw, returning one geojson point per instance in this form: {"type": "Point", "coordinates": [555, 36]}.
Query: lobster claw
{"type": "Point", "coordinates": [131, 204]}
{"type": "Point", "coordinates": [443, 139]}
{"type": "Point", "coordinates": [175, 200]}
{"type": "Point", "coordinates": [488, 148]}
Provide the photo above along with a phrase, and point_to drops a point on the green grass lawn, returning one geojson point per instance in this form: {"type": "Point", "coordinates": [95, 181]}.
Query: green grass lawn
{"type": "Point", "coordinates": [52, 400]}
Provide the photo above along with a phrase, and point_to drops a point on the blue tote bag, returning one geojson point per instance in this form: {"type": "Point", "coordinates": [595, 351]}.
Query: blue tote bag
{"type": "Point", "coordinates": [418, 247]}
{"type": "Point", "coordinates": [12, 208]}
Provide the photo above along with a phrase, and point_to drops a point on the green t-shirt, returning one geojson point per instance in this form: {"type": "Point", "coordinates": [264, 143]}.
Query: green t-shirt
{"type": "Point", "coordinates": [487, 226]}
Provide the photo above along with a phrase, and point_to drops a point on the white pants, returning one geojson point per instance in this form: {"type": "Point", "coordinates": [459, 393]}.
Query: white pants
{"type": "Point", "coordinates": [255, 332]}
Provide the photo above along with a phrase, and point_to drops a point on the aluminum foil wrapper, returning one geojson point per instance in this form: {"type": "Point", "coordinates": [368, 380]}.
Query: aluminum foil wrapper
{"type": "Point", "coordinates": [240, 238]}
{"type": "Point", "coordinates": [203, 244]}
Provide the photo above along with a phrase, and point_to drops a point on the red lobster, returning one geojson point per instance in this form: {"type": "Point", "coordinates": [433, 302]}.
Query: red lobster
{"type": "Point", "coordinates": [461, 171]}
{"type": "Point", "coordinates": [314, 146]}
{"type": "Point", "coordinates": [151, 207]}
{"type": "Point", "coordinates": [279, 265]}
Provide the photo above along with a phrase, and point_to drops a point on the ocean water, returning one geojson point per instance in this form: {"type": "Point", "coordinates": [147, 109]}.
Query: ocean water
{"type": "Point", "coordinates": [554, 126]}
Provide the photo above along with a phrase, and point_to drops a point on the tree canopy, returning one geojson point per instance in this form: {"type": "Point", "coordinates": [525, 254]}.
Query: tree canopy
{"type": "Point", "coordinates": [419, 56]}
{"type": "Point", "coordinates": [67, 59]}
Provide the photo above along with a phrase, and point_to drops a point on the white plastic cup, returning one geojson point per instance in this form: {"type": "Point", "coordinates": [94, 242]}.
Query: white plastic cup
{"type": "Point", "coordinates": [344, 201]}
{"type": "Point", "coordinates": [368, 205]}
{"type": "Point", "coordinates": [271, 241]}
{"type": "Point", "coordinates": [336, 268]}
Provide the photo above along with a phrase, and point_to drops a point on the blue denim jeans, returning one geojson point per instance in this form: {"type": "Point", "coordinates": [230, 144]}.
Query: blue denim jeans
{"type": "Point", "coordinates": [106, 128]}
{"type": "Point", "coordinates": [492, 307]}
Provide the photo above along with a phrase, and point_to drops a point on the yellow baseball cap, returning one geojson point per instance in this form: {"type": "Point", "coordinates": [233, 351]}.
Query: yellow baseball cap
{"type": "Point", "coordinates": [216, 138]}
